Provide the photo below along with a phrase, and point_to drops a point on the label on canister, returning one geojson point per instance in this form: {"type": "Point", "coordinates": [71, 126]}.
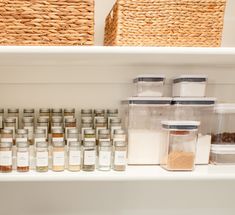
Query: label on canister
{"type": "Point", "coordinates": [5, 158]}
{"type": "Point", "coordinates": [22, 159]}
{"type": "Point", "coordinates": [120, 158]}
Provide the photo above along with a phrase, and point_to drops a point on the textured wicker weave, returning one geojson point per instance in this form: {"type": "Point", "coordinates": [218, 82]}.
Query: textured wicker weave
{"type": "Point", "coordinates": [46, 22]}
{"type": "Point", "coordinates": [165, 23]}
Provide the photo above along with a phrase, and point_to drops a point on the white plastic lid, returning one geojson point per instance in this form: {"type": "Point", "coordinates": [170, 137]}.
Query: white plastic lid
{"type": "Point", "coordinates": [225, 108]}
{"type": "Point", "coordinates": [223, 148]}
{"type": "Point", "coordinates": [180, 125]}
{"type": "Point", "coordinates": [149, 78]}
{"type": "Point", "coordinates": [148, 100]}
{"type": "Point", "coordinates": [195, 101]}
{"type": "Point", "coordinates": [190, 78]}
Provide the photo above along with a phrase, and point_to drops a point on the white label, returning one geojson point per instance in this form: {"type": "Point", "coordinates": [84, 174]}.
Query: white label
{"type": "Point", "coordinates": [113, 128]}
{"type": "Point", "coordinates": [12, 129]}
{"type": "Point", "coordinates": [6, 140]}
{"type": "Point", "coordinates": [21, 139]}
{"type": "Point", "coordinates": [30, 132]}
{"type": "Point", "coordinates": [97, 130]}
{"type": "Point", "coordinates": [58, 159]}
{"type": "Point", "coordinates": [104, 140]}
{"type": "Point", "coordinates": [71, 140]}
{"type": "Point", "coordinates": [44, 128]}
{"type": "Point", "coordinates": [22, 159]}
{"type": "Point", "coordinates": [83, 130]}
{"type": "Point", "coordinates": [40, 139]}
{"type": "Point", "coordinates": [89, 157]}
{"type": "Point", "coordinates": [119, 139]}
{"type": "Point", "coordinates": [57, 139]}
{"type": "Point", "coordinates": [6, 158]}
{"type": "Point", "coordinates": [74, 157]}
{"type": "Point", "coordinates": [120, 158]}
{"type": "Point", "coordinates": [104, 158]}
{"type": "Point", "coordinates": [42, 159]}
{"type": "Point", "coordinates": [89, 139]}
{"type": "Point", "coordinates": [1, 122]}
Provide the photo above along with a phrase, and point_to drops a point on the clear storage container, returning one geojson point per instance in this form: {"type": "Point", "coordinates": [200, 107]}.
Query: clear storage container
{"type": "Point", "coordinates": [142, 121]}
{"type": "Point", "coordinates": [189, 86]}
{"type": "Point", "coordinates": [198, 109]}
{"type": "Point", "coordinates": [149, 85]}
{"type": "Point", "coordinates": [178, 149]}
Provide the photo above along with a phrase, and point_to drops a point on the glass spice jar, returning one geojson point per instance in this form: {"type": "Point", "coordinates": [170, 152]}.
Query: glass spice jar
{"type": "Point", "coordinates": [86, 113]}
{"type": "Point", "coordinates": [22, 157]}
{"type": "Point", "coordinates": [87, 123]}
{"type": "Point", "coordinates": [5, 157]}
{"type": "Point", "coordinates": [115, 123]}
{"type": "Point", "coordinates": [28, 112]}
{"type": "Point", "coordinates": [100, 123]}
{"type": "Point", "coordinates": [56, 112]}
{"type": "Point", "coordinates": [43, 123]}
{"type": "Point", "coordinates": [57, 122]}
{"type": "Point", "coordinates": [69, 113]}
{"type": "Point", "coordinates": [7, 135]}
{"type": "Point", "coordinates": [111, 113]}
{"type": "Point", "coordinates": [58, 156]}
{"type": "Point", "coordinates": [98, 113]}
{"type": "Point", "coordinates": [105, 156]}
{"type": "Point", "coordinates": [74, 156]}
{"type": "Point", "coordinates": [120, 155]}
{"type": "Point", "coordinates": [73, 135]}
{"type": "Point", "coordinates": [21, 135]}
{"type": "Point", "coordinates": [119, 135]}
{"type": "Point", "coordinates": [1, 117]}
{"type": "Point", "coordinates": [40, 135]}
{"type": "Point", "coordinates": [103, 135]}
{"type": "Point", "coordinates": [89, 135]}
{"type": "Point", "coordinates": [42, 157]}
{"type": "Point", "coordinates": [44, 112]}
{"type": "Point", "coordinates": [89, 156]}
{"type": "Point", "coordinates": [57, 135]}
{"type": "Point", "coordinates": [70, 123]}
{"type": "Point", "coordinates": [10, 124]}
{"type": "Point", "coordinates": [28, 124]}
{"type": "Point", "coordinates": [14, 113]}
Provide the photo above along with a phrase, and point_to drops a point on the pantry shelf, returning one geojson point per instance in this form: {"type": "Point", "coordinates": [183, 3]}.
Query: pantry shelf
{"type": "Point", "coordinates": [133, 173]}
{"type": "Point", "coordinates": [112, 56]}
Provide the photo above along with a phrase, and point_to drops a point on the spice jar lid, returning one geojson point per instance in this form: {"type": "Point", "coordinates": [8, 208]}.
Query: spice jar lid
{"type": "Point", "coordinates": [180, 125]}
{"type": "Point", "coordinates": [58, 144]}
{"type": "Point", "coordinates": [7, 131]}
{"type": "Point", "coordinates": [56, 110]}
{"type": "Point", "coordinates": [41, 145]}
{"type": "Point", "coordinates": [115, 120]}
{"type": "Point", "coordinates": [6, 144]}
{"type": "Point", "coordinates": [103, 131]}
{"type": "Point", "coordinates": [120, 143]}
{"type": "Point", "coordinates": [89, 144]}
{"type": "Point", "coordinates": [44, 110]}
{"type": "Point", "coordinates": [100, 120]}
{"type": "Point", "coordinates": [225, 108]}
{"type": "Point", "coordinates": [70, 120]}
{"type": "Point", "coordinates": [74, 144]}
{"type": "Point", "coordinates": [119, 131]}
{"type": "Point", "coordinates": [22, 144]}
{"type": "Point", "coordinates": [190, 78]}
{"type": "Point", "coordinates": [194, 101]}
{"type": "Point", "coordinates": [89, 131]}
{"type": "Point", "coordinates": [57, 119]}
{"type": "Point", "coordinates": [112, 111]}
{"type": "Point", "coordinates": [149, 78]}
{"type": "Point", "coordinates": [86, 111]}
{"type": "Point", "coordinates": [69, 110]}
{"type": "Point", "coordinates": [22, 131]}
{"type": "Point", "coordinates": [40, 131]}
{"type": "Point", "coordinates": [57, 131]}
{"type": "Point", "coordinates": [1, 110]}
{"type": "Point", "coordinates": [99, 111]}
{"type": "Point", "coordinates": [13, 110]}
{"type": "Point", "coordinates": [28, 119]}
{"type": "Point", "coordinates": [105, 143]}
{"type": "Point", "coordinates": [28, 110]}
{"type": "Point", "coordinates": [10, 120]}
{"type": "Point", "coordinates": [148, 101]}
{"type": "Point", "coordinates": [73, 131]}
{"type": "Point", "coordinates": [86, 119]}
{"type": "Point", "coordinates": [42, 120]}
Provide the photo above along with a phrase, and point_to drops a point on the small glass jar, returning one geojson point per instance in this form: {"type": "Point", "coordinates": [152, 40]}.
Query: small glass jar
{"type": "Point", "coordinates": [89, 135]}
{"type": "Point", "coordinates": [87, 123]}
{"type": "Point", "coordinates": [43, 123]}
{"type": "Point", "coordinates": [10, 124]}
{"type": "Point", "coordinates": [6, 136]}
{"type": "Point", "coordinates": [120, 155]}
{"type": "Point", "coordinates": [105, 156]}
{"type": "Point", "coordinates": [89, 156]}
{"type": "Point", "coordinates": [44, 112]}
{"type": "Point", "coordinates": [14, 113]}
{"type": "Point", "coordinates": [119, 135]}
{"type": "Point", "coordinates": [22, 157]}
{"type": "Point", "coordinates": [86, 113]}
{"type": "Point", "coordinates": [1, 117]}
{"type": "Point", "coordinates": [21, 135]}
{"type": "Point", "coordinates": [42, 157]}
{"type": "Point", "coordinates": [74, 156]}
{"type": "Point", "coordinates": [70, 123]}
{"type": "Point", "coordinates": [111, 113]}
{"type": "Point", "coordinates": [40, 135]}
{"type": "Point", "coordinates": [103, 135]}
{"type": "Point", "coordinates": [100, 123]}
{"type": "Point", "coordinates": [57, 112]}
{"type": "Point", "coordinates": [57, 135]}
{"type": "Point", "coordinates": [28, 112]}
{"type": "Point", "coordinates": [28, 124]}
{"type": "Point", "coordinates": [57, 122]}
{"type": "Point", "coordinates": [73, 135]}
{"type": "Point", "coordinates": [58, 156]}
{"type": "Point", "coordinates": [99, 113]}
{"type": "Point", "coordinates": [115, 123]}
{"type": "Point", "coordinates": [69, 113]}
{"type": "Point", "coordinates": [5, 157]}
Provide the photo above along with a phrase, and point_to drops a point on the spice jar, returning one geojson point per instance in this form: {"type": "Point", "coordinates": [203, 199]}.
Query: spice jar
{"type": "Point", "coordinates": [120, 155]}
{"type": "Point", "coordinates": [86, 113]}
{"type": "Point", "coordinates": [100, 124]}
{"type": "Point", "coordinates": [22, 157]}
{"type": "Point", "coordinates": [40, 135]}
{"type": "Point", "coordinates": [42, 157]}
{"type": "Point", "coordinates": [89, 156]}
{"type": "Point", "coordinates": [179, 145]}
{"type": "Point", "coordinates": [57, 112]}
{"type": "Point", "coordinates": [28, 124]}
{"type": "Point", "coordinates": [70, 123]}
{"type": "Point", "coordinates": [105, 155]}
{"type": "Point", "coordinates": [44, 112]}
{"type": "Point", "coordinates": [119, 135]}
{"type": "Point", "coordinates": [104, 135]}
{"type": "Point", "coordinates": [73, 135]}
{"type": "Point", "coordinates": [5, 157]}
{"type": "Point", "coordinates": [14, 113]}
{"type": "Point", "coordinates": [58, 156]}
{"type": "Point", "coordinates": [10, 124]}
{"type": "Point", "coordinates": [98, 113]}
{"type": "Point", "coordinates": [28, 112]}
{"type": "Point", "coordinates": [57, 122]}
{"type": "Point", "coordinates": [43, 123]}
{"type": "Point", "coordinates": [69, 113]}
{"type": "Point", "coordinates": [87, 123]}
{"type": "Point", "coordinates": [115, 123]}
{"type": "Point", "coordinates": [111, 113]}
{"type": "Point", "coordinates": [74, 156]}
{"type": "Point", "coordinates": [6, 136]}
{"type": "Point", "coordinates": [1, 117]}
{"type": "Point", "coordinates": [89, 135]}
{"type": "Point", "coordinates": [21, 135]}
{"type": "Point", "coordinates": [57, 135]}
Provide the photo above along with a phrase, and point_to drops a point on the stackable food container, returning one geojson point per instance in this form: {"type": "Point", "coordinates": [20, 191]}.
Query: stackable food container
{"type": "Point", "coordinates": [223, 135]}
{"type": "Point", "coordinates": [142, 119]}
{"type": "Point", "coordinates": [178, 149]}
{"type": "Point", "coordinates": [198, 109]}
{"type": "Point", "coordinates": [149, 85]}
{"type": "Point", "coordinates": [189, 86]}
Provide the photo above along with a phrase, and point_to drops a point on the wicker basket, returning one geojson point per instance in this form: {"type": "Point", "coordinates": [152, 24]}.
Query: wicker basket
{"type": "Point", "coordinates": [46, 22]}
{"type": "Point", "coordinates": [165, 23]}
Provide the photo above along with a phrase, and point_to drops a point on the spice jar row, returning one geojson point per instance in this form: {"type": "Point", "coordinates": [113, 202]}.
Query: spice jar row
{"type": "Point", "coordinates": [59, 157]}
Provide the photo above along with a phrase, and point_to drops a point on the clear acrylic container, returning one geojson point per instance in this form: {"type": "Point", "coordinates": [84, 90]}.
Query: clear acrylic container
{"type": "Point", "coordinates": [198, 109]}
{"type": "Point", "coordinates": [178, 149]}
{"type": "Point", "coordinates": [142, 121]}
{"type": "Point", "coordinates": [189, 86]}
{"type": "Point", "coordinates": [149, 85]}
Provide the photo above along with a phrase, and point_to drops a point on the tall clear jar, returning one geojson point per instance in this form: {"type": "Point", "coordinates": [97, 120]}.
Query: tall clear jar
{"type": "Point", "coordinates": [120, 156]}
{"type": "Point", "coordinates": [14, 113]}
{"type": "Point", "coordinates": [115, 123]}
{"type": "Point", "coordinates": [10, 124]}
{"type": "Point", "coordinates": [23, 157]}
{"type": "Point", "coordinates": [111, 113]}
{"type": "Point", "coordinates": [100, 124]}
{"type": "Point", "coordinates": [86, 113]}
{"type": "Point", "coordinates": [58, 156]}
{"type": "Point", "coordinates": [56, 112]}
{"type": "Point", "coordinates": [29, 112]}
{"type": "Point", "coordinates": [42, 157]}
{"type": "Point", "coordinates": [105, 156]}
{"type": "Point", "coordinates": [73, 135]}
{"type": "Point", "coordinates": [28, 124]}
{"type": "Point", "coordinates": [1, 117]}
{"type": "Point", "coordinates": [70, 123]}
{"type": "Point", "coordinates": [74, 156]}
{"type": "Point", "coordinates": [5, 157]}
{"type": "Point", "coordinates": [40, 135]}
{"type": "Point", "coordinates": [21, 135]}
{"type": "Point", "coordinates": [89, 156]}
{"type": "Point", "coordinates": [6, 136]}
{"type": "Point", "coordinates": [87, 123]}
{"type": "Point", "coordinates": [43, 123]}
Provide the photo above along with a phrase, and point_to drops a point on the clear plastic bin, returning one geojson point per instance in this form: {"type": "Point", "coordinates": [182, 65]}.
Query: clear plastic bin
{"type": "Point", "coordinates": [198, 109]}
{"type": "Point", "coordinates": [142, 120]}
{"type": "Point", "coordinates": [189, 86]}
{"type": "Point", "coordinates": [149, 85]}
{"type": "Point", "coordinates": [179, 147]}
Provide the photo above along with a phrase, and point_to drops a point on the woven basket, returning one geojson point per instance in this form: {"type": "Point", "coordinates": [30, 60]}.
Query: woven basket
{"type": "Point", "coordinates": [165, 23]}
{"type": "Point", "coordinates": [46, 22]}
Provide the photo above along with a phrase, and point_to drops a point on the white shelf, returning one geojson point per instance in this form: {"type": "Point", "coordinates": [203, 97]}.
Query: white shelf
{"type": "Point", "coordinates": [113, 56]}
{"type": "Point", "coordinates": [133, 173]}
